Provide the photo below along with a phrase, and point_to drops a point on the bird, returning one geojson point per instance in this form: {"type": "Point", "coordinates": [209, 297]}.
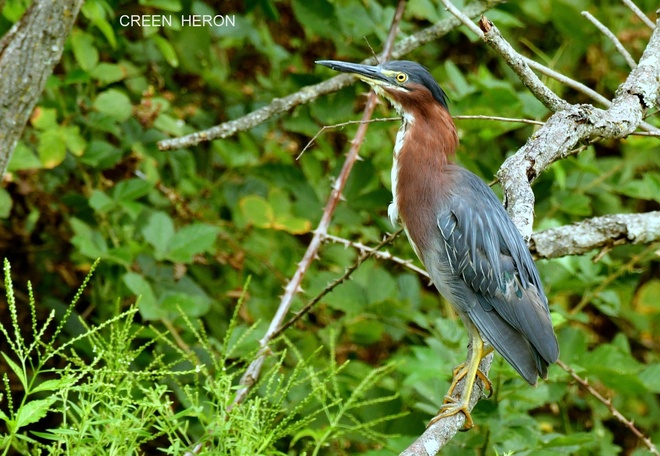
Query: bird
{"type": "Point", "coordinates": [459, 229]}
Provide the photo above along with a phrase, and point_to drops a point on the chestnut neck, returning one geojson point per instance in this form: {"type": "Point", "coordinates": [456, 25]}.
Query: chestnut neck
{"type": "Point", "coordinates": [425, 145]}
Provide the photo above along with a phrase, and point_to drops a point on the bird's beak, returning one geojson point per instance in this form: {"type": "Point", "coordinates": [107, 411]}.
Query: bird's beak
{"type": "Point", "coordinates": [368, 73]}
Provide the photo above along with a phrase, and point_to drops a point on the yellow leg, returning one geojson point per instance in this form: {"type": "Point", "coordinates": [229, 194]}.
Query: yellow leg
{"type": "Point", "coordinates": [469, 371]}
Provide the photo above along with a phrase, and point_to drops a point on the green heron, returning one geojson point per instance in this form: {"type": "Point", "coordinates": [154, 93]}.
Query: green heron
{"type": "Point", "coordinates": [458, 228]}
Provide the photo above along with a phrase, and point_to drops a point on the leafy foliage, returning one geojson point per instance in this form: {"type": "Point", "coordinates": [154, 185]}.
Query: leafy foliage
{"type": "Point", "coordinates": [184, 230]}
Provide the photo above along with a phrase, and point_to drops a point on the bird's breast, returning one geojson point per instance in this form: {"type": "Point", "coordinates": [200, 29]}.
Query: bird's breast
{"type": "Point", "coordinates": [393, 209]}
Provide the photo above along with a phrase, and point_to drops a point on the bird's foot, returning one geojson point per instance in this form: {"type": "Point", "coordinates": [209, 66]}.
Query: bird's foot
{"type": "Point", "coordinates": [459, 374]}
{"type": "Point", "coordinates": [451, 407]}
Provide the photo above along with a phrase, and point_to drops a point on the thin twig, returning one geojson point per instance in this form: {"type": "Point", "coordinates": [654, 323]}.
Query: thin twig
{"type": "Point", "coordinates": [499, 119]}
{"type": "Point", "coordinates": [608, 403]}
{"type": "Point", "coordinates": [639, 13]}
{"type": "Point", "coordinates": [608, 33]}
{"type": "Point", "coordinates": [408, 264]}
{"type": "Point", "coordinates": [655, 132]}
{"type": "Point", "coordinates": [294, 286]}
{"type": "Point", "coordinates": [366, 253]}
{"type": "Point", "coordinates": [572, 83]}
{"type": "Point", "coordinates": [542, 92]}
{"type": "Point", "coordinates": [339, 125]}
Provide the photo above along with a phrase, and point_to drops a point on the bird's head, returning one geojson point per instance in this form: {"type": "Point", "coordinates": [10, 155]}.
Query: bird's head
{"type": "Point", "coordinates": [408, 85]}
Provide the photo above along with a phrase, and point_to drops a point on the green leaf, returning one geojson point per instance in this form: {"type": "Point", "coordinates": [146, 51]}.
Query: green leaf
{"type": "Point", "coordinates": [647, 298]}
{"type": "Point", "coordinates": [100, 202]}
{"type": "Point", "coordinates": [23, 158]}
{"type": "Point", "coordinates": [74, 141]}
{"type": "Point", "coordinates": [148, 305]}
{"type": "Point", "coordinates": [169, 124]}
{"type": "Point", "coordinates": [386, 286]}
{"type": "Point", "coordinates": [349, 297]}
{"type": "Point", "coordinates": [44, 118]}
{"type": "Point", "coordinates": [83, 49]}
{"type": "Point", "coordinates": [461, 86]}
{"type": "Point", "coordinates": [317, 18]}
{"type": "Point", "coordinates": [130, 190]}
{"type": "Point", "coordinates": [167, 5]}
{"type": "Point", "coordinates": [167, 50]}
{"type": "Point", "coordinates": [33, 411]}
{"type": "Point", "coordinates": [647, 188]}
{"type": "Point", "coordinates": [94, 11]}
{"type": "Point", "coordinates": [101, 154]}
{"type": "Point", "coordinates": [651, 378]}
{"type": "Point", "coordinates": [20, 373]}
{"type": "Point", "coordinates": [257, 211]}
{"type": "Point", "coordinates": [366, 332]}
{"type": "Point", "coordinates": [114, 104]}
{"type": "Point", "coordinates": [293, 225]}
{"type": "Point", "coordinates": [88, 241]}
{"type": "Point", "coordinates": [52, 149]}
{"type": "Point", "coordinates": [107, 73]}
{"type": "Point", "coordinates": [608, 302]}
{"type": "Point", "coordinates": [190, 241]}
{"type": "Point", "coordinates": [194, 306]}
{"type": "Point", "coordinates": [5, 203]}
{"type": "Point", "coordinates": [158, 232]}
{"type": "Point", "coordinates": [573, 203]}
{"type": "Point", "coordinates": [54, 384]}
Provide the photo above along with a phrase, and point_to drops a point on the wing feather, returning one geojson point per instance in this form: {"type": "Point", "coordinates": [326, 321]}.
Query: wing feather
{"type": "Point", "coordinates": [484, 248]}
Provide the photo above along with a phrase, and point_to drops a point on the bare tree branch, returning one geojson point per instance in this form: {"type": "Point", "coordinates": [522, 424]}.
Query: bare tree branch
{"type": "Point", "coordinates": [512, 58]}
{"type": "Point", "coordinates": [639, 13]}
{"type": "Point", "coordinates": [568, 82]}
{"type": "Point", "coordinates": [373, 251]}
{"type": "Point", "coordinates": [28, 53]}
{"type": "Point", "coordinates": [577, 124]}
{"type": "Point", "coordinates": [608, 33]}
{"type": "Point", "coordinates": [311, 93]}
{"type": "Point", "coordinates": [521, 66]}
{"type": "Point", "coordinates": [364, 255]}
{"type": "Point", "coordinates": [597, 232]}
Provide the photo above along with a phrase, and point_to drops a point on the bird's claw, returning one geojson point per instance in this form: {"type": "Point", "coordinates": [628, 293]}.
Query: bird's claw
{"type": "Point", "coordinates": [452, 407]}
{"type": "Point", "coordinates": [459, 374]}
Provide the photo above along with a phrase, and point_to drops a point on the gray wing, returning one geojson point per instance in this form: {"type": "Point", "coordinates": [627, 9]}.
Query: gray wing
{"type": "Point", "coordinates": [501, 290]}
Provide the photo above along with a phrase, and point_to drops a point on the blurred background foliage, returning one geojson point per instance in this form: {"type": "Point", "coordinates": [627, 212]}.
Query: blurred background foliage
{"type": "Point", "coordinates": [185, 229]}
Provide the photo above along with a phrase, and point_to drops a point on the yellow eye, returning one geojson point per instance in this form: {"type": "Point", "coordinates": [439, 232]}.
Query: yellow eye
{"type": "Point", "coordinates": [401, 78]}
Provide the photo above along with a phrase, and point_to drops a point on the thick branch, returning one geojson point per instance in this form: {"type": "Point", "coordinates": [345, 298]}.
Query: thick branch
{"type": "Point", "coordinates": [311, 93]}
{"type": "Point", "coordinates": [579, 123]}
{"type": "Point", "coordinates": [28, 54]}
{"type": "Point", "coordinates": [597, 232]}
